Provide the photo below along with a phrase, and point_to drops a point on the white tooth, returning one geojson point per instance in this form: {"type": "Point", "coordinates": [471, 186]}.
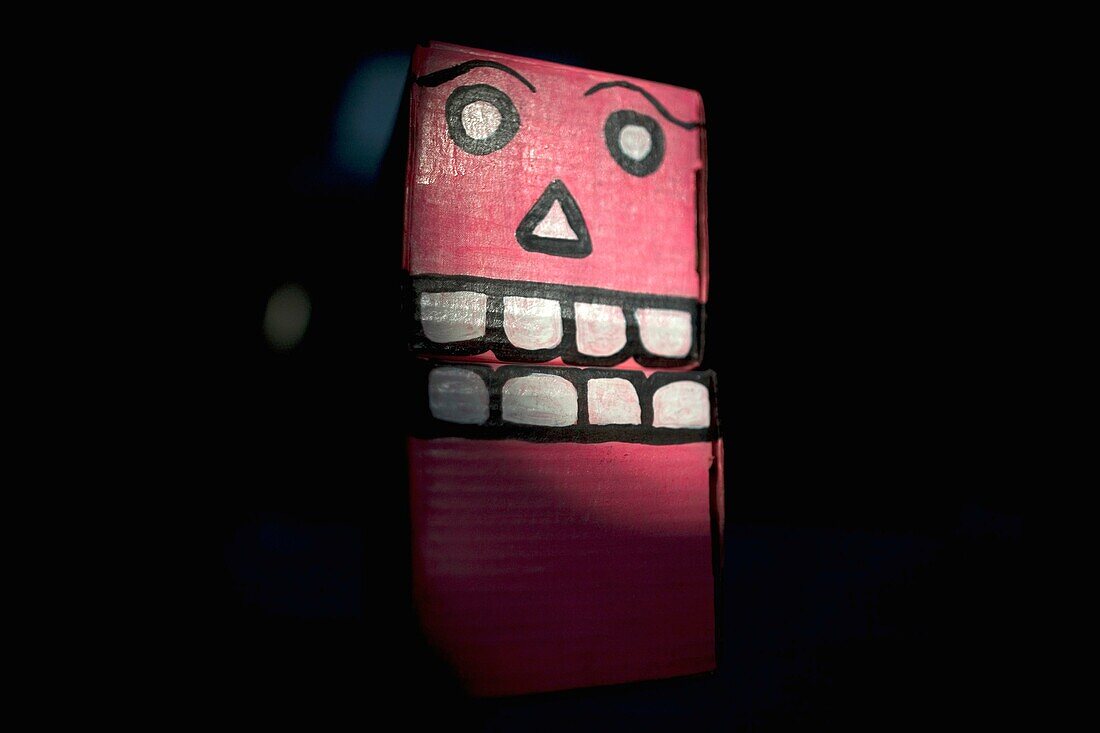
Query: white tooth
{"type": "Point", "coordinates": [601, 329]}
{"type": "Point", "coordinates": [532, 323]}
{"type": "Point", "coordinates": [448, 317]}
{"type": "Point", "coordinates": [665, 332]}
{"type": "Point", "coordinates": [613, 402]}
{"type": "Point", "coordinates": [539, 399]}
{"type": "Point", "coordinates": [681, 405]}
{"type": "Point", "coordinates": [458, 395]}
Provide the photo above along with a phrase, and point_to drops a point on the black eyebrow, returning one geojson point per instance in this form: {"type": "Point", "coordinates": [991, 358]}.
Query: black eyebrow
{"type": "Point", "coordinates": [652, 100]}
{"type": "Point", "coordinates": [436, 78]}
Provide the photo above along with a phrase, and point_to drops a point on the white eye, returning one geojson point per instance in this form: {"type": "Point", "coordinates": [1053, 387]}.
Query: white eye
{"type": "Point", "coordinates": [481, 119]}
{"type": "Point", "coordinates": [634, 140]}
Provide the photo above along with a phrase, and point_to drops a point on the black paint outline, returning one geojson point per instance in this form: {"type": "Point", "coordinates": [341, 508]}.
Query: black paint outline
{"type": "Point", "coordinates": [425, 425]}
{"type": "Point", "coordinates": [509, 118]}
{"type": "Point", "coordinates": [443, 76]}
{"type": "Point", "coordinates": [496, 340]}
{"type": "Point", "coordinates": [652, 100]}
{"type": "Point", "coordinates": [525, 232]}
{"type": "Point", "coordinates": [619, 119]}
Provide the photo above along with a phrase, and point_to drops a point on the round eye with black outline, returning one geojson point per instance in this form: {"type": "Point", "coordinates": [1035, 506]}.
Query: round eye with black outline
{"type": "Point", "coordinates": [635, 141]}
{"type": "Point", "coordinates": [481, 119]}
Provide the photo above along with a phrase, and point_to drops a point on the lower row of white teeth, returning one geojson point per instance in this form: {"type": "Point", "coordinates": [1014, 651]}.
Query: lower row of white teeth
{"type": "Point", "coordinates": [535, 323]}
{"type": "Point", "coordinates": [461, 396]}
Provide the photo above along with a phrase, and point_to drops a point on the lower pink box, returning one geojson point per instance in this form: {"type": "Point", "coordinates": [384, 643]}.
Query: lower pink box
{"type": "Point", "coordinates": [567, 562]}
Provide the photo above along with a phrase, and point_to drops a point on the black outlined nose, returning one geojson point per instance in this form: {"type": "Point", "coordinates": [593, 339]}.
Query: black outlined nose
{"type": "Point", "coordinates": [554, 225]}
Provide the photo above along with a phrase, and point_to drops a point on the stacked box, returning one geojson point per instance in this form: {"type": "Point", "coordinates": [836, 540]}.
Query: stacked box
{"type": "Point", "coordinates": [565, 462]}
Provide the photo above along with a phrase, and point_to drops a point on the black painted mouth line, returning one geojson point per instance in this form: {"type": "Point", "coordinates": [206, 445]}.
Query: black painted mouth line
{"type": "Point", "coordinates": [475, 401]}
{"type": "Point", "coordinates": [435, 323]}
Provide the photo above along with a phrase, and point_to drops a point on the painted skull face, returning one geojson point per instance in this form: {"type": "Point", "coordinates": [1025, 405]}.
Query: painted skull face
{"type": "Point", "coordinates": [566, 522]}
{"type": "Point", "coordinates": [555, 213]}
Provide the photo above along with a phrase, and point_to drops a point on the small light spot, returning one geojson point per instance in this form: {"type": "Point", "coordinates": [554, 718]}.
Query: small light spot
{"type": "Point", "coordinates": [287, 317]}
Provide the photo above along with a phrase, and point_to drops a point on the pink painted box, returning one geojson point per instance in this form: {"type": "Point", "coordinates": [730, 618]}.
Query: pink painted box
{"type": "Point", "coordinates": [566, 521]}
{"type": "Point", "coordinates": [554, 214]}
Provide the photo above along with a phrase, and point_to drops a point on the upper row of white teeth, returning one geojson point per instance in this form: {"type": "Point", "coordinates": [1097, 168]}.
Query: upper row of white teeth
{"type": "Point", "coordinates": [535, 323]}
{"type": "Point", "coordinates": [461, 396]}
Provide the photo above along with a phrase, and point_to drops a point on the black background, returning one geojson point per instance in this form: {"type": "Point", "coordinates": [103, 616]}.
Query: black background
{"type": "Point", "coordinates": [874, 534]}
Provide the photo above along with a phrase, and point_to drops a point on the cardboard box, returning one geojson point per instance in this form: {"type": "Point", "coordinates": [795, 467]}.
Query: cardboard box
{"type": "Point", "coordinates": [566, 521]}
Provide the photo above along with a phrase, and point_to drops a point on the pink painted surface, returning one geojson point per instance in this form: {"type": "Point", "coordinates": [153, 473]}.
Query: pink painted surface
{"type": "Point", "coordinates": [549, 566]}
{"type": "Point", "coordinates": [463, 209]}
{"type": "Point", "coordinates": [718, 491]}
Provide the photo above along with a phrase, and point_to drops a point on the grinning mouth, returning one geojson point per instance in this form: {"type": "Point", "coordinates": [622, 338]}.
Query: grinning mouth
{"type": "Point", "coordinates": [560, 404]}
{"type": "Point", "coordinates": [537, 322]}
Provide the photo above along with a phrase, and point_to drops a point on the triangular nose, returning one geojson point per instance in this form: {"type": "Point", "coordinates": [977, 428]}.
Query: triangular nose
{"type": "Point", "coordinates": [554, 225]}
